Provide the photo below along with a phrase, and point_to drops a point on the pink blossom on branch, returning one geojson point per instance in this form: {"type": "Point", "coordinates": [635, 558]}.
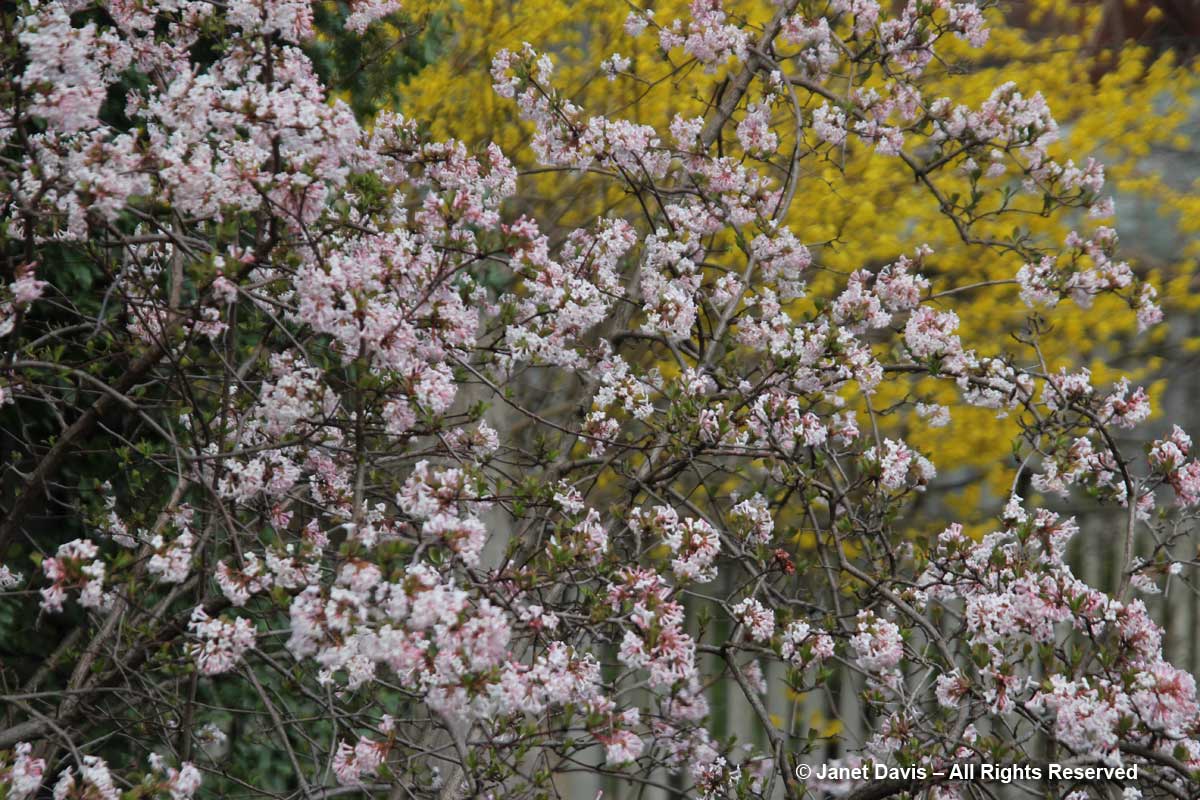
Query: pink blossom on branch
{"type": "Point", "coordinates": [535, 492]}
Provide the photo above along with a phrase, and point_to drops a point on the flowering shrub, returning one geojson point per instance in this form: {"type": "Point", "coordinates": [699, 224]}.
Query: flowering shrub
{"type": "Point", "coordinates": [325, 365]}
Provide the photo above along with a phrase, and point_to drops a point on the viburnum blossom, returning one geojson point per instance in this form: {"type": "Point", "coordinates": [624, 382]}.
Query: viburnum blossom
{"type": "Point", "coordinates": [695, 544]}
{"type": "Point", "coordinates": [172, 563]}
{"type": "Point", "coordinates": [705, 35]}
{"type": "Point", "coordinates": [899, 464]}
{"type": "Point", "coordinates": [180, 783]}
{"type": "Point", "coordinates": [95, 781]}
{"type": "Point", "coordinates": [877, 643]}
{"type": "Point", "coordinates": [346, 445]}
{"type": "Point", "coordinates": [220, 644]}
{"type": "Point", "coordinates": [622, 748]}
{"type": "Point", "coordinates": [931, 334]}
{"type": "Point", "coordinates": [8, 578]}
{"type": "Point", "coordinates": [23, 775]}
{"type": "Point", "coordinates": [753, 517]}
{"type": "Point", "coordinates": [801, 643]}
{"type": "Point", "coordinates": [759, 621]}
{"type": "Point", "coordinates": [352, 763]}
{"type": "Point", "coordinates": [75, 566]}
{"type": "Point", "coordinates": [18, 294]}
{"type": "Point", "coordinates": [951, 689]}
{"type": "Point", "coordinates": [238, 586]}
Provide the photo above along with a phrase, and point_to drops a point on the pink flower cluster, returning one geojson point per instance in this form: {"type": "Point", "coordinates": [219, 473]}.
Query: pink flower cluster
{"type": "Point", "coordinates": [95, 782]}
{"type": "Point", "coordinates": [75, 566]}
{"type": "Point", "coordinates": [1088, 269]}
{"type": "Point", "coordinates": [1018, 590]}
{"type": "Point", "coordinates": [220, 644]}
{"type": "Point", "coordinates": [23, 776]}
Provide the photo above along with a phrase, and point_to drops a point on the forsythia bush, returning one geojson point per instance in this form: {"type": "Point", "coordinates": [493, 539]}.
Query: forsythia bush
{"type": "Point", "coordinates": [348, 441]}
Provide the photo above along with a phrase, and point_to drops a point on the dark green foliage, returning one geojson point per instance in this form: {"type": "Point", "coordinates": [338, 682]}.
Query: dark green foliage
{"type": "Point", "coordinates": [369, 71]}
